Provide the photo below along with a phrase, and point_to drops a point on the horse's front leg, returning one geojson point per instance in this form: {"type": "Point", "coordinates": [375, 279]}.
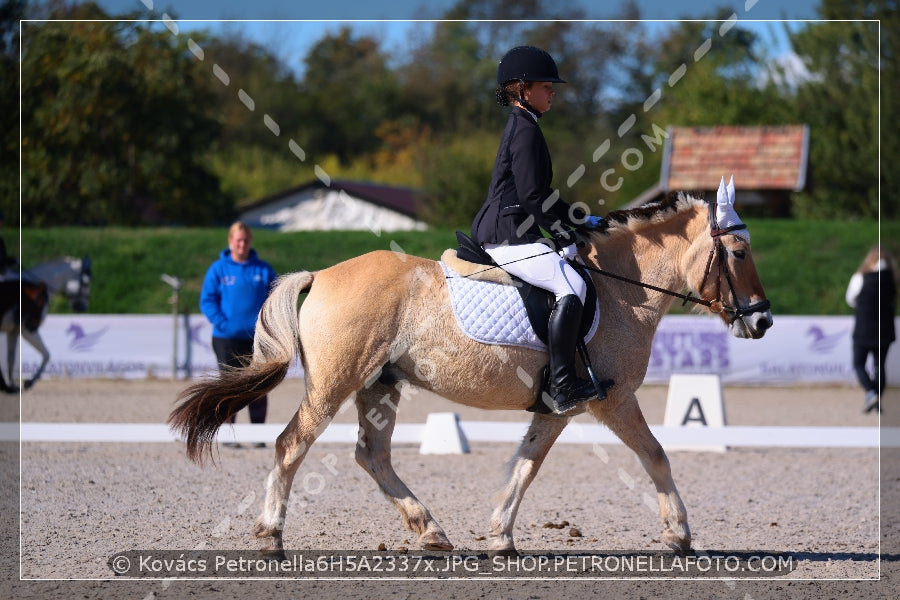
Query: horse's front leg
{"type": "Point", "coordinates": [377, 407]}
{"type": "Point", "coordinates": [35, 340]}
{"type": "Point", "coordinates": [628, 423]}
{"type": "Point", "coordinates": [541, 435]}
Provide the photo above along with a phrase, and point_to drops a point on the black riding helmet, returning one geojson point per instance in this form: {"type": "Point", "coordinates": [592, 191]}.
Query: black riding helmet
{"type": "Point", "coordinates": [525, 63]}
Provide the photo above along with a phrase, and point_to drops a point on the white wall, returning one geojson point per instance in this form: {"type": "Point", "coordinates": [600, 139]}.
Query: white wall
{"type": "Point", "coordinates": [319, 210]}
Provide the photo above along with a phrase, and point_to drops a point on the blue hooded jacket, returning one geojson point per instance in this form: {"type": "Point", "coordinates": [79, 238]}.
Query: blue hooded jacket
{"type": "Point", "coordinates": [233, 293]}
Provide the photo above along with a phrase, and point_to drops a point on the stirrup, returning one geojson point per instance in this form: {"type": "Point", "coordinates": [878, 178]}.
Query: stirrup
{"type": "Point", "coordinates": [599, 390]}
{"type": "Point", "coordinates": [558, 408]}
{"type": "Point", "coordinates": [564, 402]}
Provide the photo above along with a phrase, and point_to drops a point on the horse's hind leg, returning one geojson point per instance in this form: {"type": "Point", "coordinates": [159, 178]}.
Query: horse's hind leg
{"type": "Point", "coordinates": [377, 408]}
{"type": "Point", "coordinates": [290, 449]}
{"type": "Point", "coordinates": [628, 423]}
{"type": "Point", "coordinates": [541, 435]}
{"type": "Point", "coordinates": [37, 343]}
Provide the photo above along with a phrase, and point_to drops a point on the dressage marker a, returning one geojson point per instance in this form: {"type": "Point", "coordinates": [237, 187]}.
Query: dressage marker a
{"type": "Point", "coordinates": [478, 431]}
{"type": "Point", "coordinates": [695, 401]}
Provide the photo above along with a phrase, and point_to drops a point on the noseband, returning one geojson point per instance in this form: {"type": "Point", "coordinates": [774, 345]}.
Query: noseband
{"type": "Point", "coordinates": [718, 251]}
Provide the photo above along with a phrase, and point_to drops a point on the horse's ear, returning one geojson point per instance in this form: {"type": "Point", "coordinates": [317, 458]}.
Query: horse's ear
{"type": "Point", "coordinates": [722, 196]}
{"type": "Point", "coordinates": [726, 216]}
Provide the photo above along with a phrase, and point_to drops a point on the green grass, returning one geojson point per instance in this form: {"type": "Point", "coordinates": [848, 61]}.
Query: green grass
{"type": "Point", "coordinates": [127, 263]}
{"type": "Point", "coordinates": [804, 265]}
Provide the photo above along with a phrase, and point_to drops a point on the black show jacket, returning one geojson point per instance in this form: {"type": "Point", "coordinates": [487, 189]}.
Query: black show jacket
{"type": "Point", "coordinates": [520, 200]}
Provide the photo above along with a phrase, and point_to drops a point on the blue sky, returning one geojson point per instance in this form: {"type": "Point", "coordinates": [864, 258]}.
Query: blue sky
{"type": "Point", "coordinates": [411, 9]}
{"type": "Point", "coordinates": [291, 41]}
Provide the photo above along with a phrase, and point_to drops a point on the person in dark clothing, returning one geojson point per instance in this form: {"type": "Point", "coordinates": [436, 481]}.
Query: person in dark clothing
{"type": "Point", "coordinates": [234, 289]}
{"type": "Point", "coordinates": [521, 203]}
{"type": "Point", "coordinates": [872, 292]}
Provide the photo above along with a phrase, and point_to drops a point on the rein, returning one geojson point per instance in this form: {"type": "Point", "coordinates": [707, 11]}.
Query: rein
{"type": "Point", "coordinates": [718, 250]}
{"type": "Point", "coordinates": [685, 297]}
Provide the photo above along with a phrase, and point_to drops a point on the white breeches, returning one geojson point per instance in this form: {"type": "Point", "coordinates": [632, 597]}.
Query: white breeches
{"type": "Point", "coordinates": [539, 265]}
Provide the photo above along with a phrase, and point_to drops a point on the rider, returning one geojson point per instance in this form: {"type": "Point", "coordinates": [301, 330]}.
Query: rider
{"type": "Point", "coordinates": [521, 202]}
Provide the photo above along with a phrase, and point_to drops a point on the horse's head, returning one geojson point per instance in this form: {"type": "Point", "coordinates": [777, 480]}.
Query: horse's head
{"type": "Point", "coordinates": [78, 286]}
{"type": "Point", "coordinates": [730, 284]}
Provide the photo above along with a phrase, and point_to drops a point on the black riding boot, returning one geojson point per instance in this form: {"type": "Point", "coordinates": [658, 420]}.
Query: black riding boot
{"type": "Point", "coordinates": [566, 389]}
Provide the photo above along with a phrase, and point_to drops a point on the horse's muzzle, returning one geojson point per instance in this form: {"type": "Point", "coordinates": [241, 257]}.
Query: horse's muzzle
{"type": "Point", "coordinates": [753, 325]}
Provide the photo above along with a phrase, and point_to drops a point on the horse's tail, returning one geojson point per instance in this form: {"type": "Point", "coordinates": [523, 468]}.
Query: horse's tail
{"type": "Point", "coordinates": [208, 404]}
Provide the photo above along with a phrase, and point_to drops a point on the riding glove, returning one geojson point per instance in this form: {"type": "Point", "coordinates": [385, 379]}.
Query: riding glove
{"type": "Point", "coordinates": [592, 223]}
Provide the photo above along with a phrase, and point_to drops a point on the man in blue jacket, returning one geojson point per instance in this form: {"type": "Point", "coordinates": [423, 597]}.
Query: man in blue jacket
{"type": "Point", "coordinates": [234, 289]}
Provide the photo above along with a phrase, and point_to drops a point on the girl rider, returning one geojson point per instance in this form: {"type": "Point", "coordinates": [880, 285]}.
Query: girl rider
{"type": "Point", "coordinates": [521, 202]}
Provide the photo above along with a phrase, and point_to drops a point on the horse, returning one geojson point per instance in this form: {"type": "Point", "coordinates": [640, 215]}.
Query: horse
{"type": "Point", "coordinates": [24, 304]}
{"type": "Point", "coordinates": [372, 324]}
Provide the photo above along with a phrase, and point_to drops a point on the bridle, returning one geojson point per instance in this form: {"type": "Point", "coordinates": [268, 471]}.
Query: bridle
{"type": "Point", "coordinates": [718, 252]}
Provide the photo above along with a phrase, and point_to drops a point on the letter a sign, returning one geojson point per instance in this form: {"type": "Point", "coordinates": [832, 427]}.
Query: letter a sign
{"type": "Point", "coordinates": [694, 413]}
{"type": "Point", "coordinates": [695, 401]}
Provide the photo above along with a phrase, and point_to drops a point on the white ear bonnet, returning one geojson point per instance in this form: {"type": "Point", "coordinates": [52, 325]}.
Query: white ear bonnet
{"type": "Point", "coordinates": [725, 213]}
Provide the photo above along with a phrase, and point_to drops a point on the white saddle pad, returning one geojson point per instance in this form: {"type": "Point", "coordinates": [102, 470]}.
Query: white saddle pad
{"type": "Point", "coordinates": [493, 313]}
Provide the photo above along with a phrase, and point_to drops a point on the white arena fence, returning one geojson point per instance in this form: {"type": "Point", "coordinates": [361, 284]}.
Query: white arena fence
{"type": "Point", "coordinates": [797, 350]}
{"type": "Point", "coordinates": [477, 431]}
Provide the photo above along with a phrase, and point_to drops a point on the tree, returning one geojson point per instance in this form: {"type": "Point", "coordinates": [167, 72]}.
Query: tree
{"type": "Point", "coordinates": [266, 80]}
{"type": "Point", "coordinates": [839, 99]}
{"type": "Point", "coordinates": [347, 92]}
{"type": "Point", "coordinates": [723, 83]}
{"type": "Point", "coordinates": [11, 12]}
{"type": "Point", "coordinates": [447, 80]}
{"type": "Point", "coordinates": [113, 125]}
{"type": "Point", "coordinates": [251, 158]}
{"type": "Point", "coordinates": [451, 75]}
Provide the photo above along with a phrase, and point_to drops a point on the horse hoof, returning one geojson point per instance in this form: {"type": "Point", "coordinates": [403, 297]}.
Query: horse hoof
{"type": "Point", "coordinates": [682, 546]}
{"type": "Point", "coordinates": [272, 554]}
{"type": "Point", "coordinates": [28, 384]}
{"type": "Point", "coordinates": [503, 553]}
{"type": "Point", "coordinates": [275, 548]}
{"type": "Point", "coordinates": [435, 541]}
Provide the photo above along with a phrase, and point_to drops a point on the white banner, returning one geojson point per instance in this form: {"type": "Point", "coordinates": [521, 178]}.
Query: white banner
{"type": "Point", "coordinates": [125, 346]}
{"type": "Point", "coordinates": [795, 350]}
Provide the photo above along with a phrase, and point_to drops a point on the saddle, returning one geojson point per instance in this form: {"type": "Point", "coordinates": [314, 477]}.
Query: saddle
{"type": "Point", "coordinates": [473, 262]}
{"type": "Point", "coordinates": [538, 301]}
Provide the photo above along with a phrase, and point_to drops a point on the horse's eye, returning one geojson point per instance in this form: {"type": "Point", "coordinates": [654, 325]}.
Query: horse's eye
{"type": "Point", "coordinates": [739, 254]}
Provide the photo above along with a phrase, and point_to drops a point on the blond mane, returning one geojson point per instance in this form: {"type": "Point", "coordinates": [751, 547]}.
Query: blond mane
{"type": "Point", "coordinates": [653, 212]}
